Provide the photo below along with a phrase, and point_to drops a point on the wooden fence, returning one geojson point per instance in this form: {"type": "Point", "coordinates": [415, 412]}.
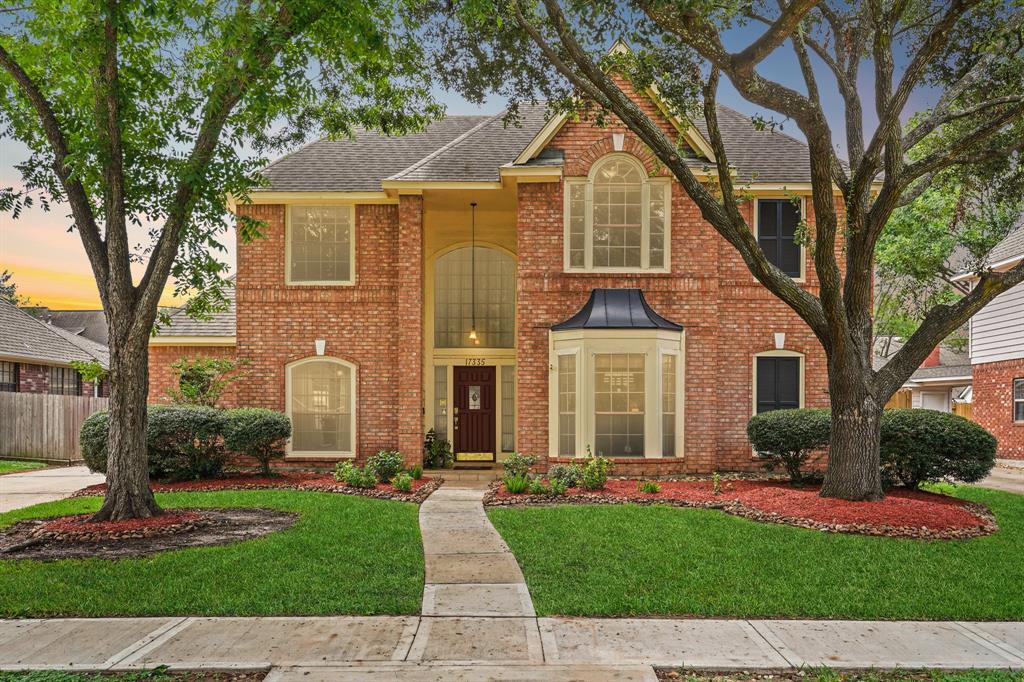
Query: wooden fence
{"type": "Point", "coordinates": [42, 426]}
{"type": "Point", "coordinates": [962, 409]}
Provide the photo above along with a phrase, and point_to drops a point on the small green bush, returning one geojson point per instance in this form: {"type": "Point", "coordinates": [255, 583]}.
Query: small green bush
{"type": "Point", "coordinates": [649, 487]}
{"type": "Point", "coordinates": [402, 481]}
{"type": "Point", "coordinates": [416, 472]}
{"type": "Point", "coordinates": [258, 433]}
{"type": "Point", "coordinates": [357, 477]}
{"type": "Point", "coordinates": [518, 464]}
{"type": "Point", "coordinates": [595, 473]}
{"type": "Point", "coordinates": [182, 443]}
{"type": "Point", "coordinates": [537, 486]}
{"type": "Point", "coordinates": [571, 475]}
{"type": "Point", "coordinates": [437, 452]}
{"type": "Point", "coordinates": [921, 446]}
{"type": "Point", "coordinates": [557, 488]}
{"type": "Point", "coordinates": [385, 464]}
{"type": "Point", "coordinates": [790, 439]}
{"type": "Point", "coordinates": [516, 483]}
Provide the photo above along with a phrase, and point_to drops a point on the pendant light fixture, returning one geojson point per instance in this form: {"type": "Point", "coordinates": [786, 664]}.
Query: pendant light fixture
{"type": "Point", "coordinates": [472, 286]}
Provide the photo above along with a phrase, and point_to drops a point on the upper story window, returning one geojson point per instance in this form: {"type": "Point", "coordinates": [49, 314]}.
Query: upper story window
{"type": "Point", "coordinates": [617, 218]}
{"type": "Point", "coordinates": [9, 377]}
{"type": "Point", "coordinates": [491, 307]}
{"type": "Point", "coordinates": [777, 223]}
{"type": "Point", "coordinates": [64, 381]}
{"type": "Point", "coordinates": [320, 245]}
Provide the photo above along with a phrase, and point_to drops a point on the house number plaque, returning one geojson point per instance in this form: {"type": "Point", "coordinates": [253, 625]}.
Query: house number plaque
{"type": "Point", "coordinates": [476, 362]}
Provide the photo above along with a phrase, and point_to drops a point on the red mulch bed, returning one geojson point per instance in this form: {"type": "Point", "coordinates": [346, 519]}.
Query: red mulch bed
{"type": "Point", "coordinates": [903, 513]}
{"type": "Point", "coordinates": [79, 527]}
{"type": "Point", "coordinates": [326, 483]}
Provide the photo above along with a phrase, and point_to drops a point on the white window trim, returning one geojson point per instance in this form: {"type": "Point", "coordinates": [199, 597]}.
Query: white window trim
{"type": "Point", "coordinates": [802, 279]}
{"type": "Point", "coordinates": [288, 248]}
{"type": "Point", "coordinates": [1014, 400]}
{"type": "Point", "coordinates": [353, 385]}
{"type": "Point", "coordinates": [585, 344]}
{"type": "Point", "coordinates": [645, 220]}
{"type": "Point", "coordinates": [775, 354]}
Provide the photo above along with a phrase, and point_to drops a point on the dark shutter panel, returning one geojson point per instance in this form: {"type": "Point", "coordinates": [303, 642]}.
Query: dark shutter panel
{"type": "Point", "coordinates": [768, 228]}
{"type": "Point", "coordinates": [789, 250]}
{"type": "Point", "coordinates": [778, 384]}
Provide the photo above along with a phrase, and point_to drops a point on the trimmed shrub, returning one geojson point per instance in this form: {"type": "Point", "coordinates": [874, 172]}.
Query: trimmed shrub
{"type": "Point", "coordinates": [569, 475]}
{"type": "Point", "coordinates": [790, 439]}
{"type": "Point", "coordinates": [182, 443]}
{"type": "Point", "coordinates": [595, 473]}
{"type": "Point", "coordinates": [357, 477]}
{"type": "Point", "coordinates": [517, 464]}
{"type": "Point", "coordinates": [258, 433]}
{"type": "Point", "coordinates": [385, 464]}
{"type": "Point", "coordinates": [921, 446]}
{"type": "Point", "coordinates": [516, 483]}
{"type": "Point", "coordinates": [403, 482]}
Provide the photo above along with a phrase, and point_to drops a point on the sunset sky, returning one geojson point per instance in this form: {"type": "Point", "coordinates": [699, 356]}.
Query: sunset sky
{"type": "Point", "coordinates": [51, 268]}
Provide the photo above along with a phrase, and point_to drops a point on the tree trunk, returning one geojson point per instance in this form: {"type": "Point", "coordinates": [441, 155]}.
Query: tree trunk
{"type": "Point", "coordinates": [854, 471]}
{"type": "Point", "coordinates": [128, 492]}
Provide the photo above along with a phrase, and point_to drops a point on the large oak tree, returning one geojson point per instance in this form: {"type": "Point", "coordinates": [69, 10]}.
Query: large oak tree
{"type": "Point", "coordinates": [142, 116]}
{"type": "Point", "coordinates": [966, 53]}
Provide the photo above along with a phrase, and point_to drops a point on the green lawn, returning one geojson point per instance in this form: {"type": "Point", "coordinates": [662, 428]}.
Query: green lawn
{"type": "Point", "coordinates": [10, 466]}
{"type": "Point", "coordinates": [345, 555]}
{"type": "Point", "coordinates": [638, 561]}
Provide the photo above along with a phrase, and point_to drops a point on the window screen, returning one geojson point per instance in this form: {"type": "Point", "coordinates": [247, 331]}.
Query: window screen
{"type": "Point", "coordinates": [777, 222]}
{"type": "Point", "coordinates": [778, 383]}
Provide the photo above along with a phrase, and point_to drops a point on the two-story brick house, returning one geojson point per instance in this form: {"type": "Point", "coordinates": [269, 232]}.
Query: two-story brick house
{"type": "Point", "coordinates": [545, 288]}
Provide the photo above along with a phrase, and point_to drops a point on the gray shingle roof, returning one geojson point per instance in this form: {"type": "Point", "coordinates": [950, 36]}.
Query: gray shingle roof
{"type": "Point", "coordinates": [91, 324]}
{"type": "Point", "coordinates": [474, 148]}
{"type": "Point", "coordinates": [219, 324]}
{"type": "Point", "coordinates": [478, 154]}
{"type": "Point", "coordinates": [24, 337]}
{"type": "Point", "coordinates": [1012, 245]}
{"type": "Point", "coordinates": [359, 164]}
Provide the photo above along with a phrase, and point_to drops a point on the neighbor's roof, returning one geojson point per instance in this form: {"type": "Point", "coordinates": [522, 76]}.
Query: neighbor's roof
{"type": "Point", "coordinates": [90, 324]}
{"type": "Point", "coordinates": [1012, 245]}
{"type": "Point", "coordinates": [23, 337]}
{"type": "Point", "coordinates": [952, 363]}
{"type": "Point", "coordinates": [616, 309]}
{"type": "Point", "coordinates": [475, 148]}
{"type": "Point", "coordinates": [219, 324]}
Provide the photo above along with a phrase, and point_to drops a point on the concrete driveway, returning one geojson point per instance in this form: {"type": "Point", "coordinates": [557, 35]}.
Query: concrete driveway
{"type": "Point", "coordinates": [1007, 475]}
{"type": "Point", "coordinates": [44, 485]}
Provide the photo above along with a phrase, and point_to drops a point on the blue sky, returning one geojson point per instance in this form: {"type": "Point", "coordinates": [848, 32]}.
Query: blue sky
{"type": "Point", "coordinates": [50, 265]}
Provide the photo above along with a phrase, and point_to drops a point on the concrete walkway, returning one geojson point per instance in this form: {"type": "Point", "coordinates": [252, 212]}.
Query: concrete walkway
{"type": "Point", "coordinates": [43, 485]}
{"type": "Point", "coordinates": [1007, 475]}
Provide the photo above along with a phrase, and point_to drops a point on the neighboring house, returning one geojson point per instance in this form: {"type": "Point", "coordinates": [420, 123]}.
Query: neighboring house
{"type": "Point", "coordinates": [997, 355]}
{"type": "Point", "coordinates": [186, 338]}
{"type": "Point", "coordinates": [36, 357]}
{"type": "Point", "coordinates": [942, 380]}
{"type": "Point", "coordinates": [546, 288]}
{"type": "Point", "coordinates": [90, 324]}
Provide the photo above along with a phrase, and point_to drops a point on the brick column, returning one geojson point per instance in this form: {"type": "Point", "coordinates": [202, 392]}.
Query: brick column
{"type": "Point", "coordinates": [410, 327]}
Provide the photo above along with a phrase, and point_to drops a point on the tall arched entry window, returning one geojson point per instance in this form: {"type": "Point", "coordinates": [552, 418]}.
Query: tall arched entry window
{"type": "Point", "coordinates": [321, 399]}
{"type": "Point", "coordinates": [495, 284]}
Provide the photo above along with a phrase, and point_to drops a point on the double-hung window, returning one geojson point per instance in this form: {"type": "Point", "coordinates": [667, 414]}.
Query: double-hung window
{"type": "Point", "coordinates": [778, 221]}
{"type": "Point", "coordinates": [64, 381]}
{"type": "Point", "coordinates": [9, 377]}
{"type": "Point", "coordinates": [1018, 400]}
{"type": "Point", "coordinates": [617, 218]}
{"type": "Point", "coordinates": [320, 245]}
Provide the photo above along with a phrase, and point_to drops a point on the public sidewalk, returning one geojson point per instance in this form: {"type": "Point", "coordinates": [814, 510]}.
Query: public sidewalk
{"type": "Point", "coordinates": [43, 485]}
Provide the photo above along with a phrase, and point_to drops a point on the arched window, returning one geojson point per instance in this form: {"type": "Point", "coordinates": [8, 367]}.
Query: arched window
{"type": "Point", "coordinates": [495, 283]}
{"type": "Point", "coordinates": [617, 218]}
{"type": "Point", "coordinates": [321, 398]}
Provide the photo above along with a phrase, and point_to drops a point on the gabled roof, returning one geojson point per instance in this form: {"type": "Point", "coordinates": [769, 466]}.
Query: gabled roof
{"type": "Point", "coordinates": [220, 324]}
{"type": "Point", "coordinates": [616, 309]}
{"type": "Point", "coordinates": [1011, 247]}
{"type": "Point", "coordinates": [24, 338]}
{"type": "Point", "coordinates": [90, 324]}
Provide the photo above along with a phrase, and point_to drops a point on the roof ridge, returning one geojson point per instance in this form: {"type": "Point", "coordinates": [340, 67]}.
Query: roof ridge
{"type": "Point", "coordinates": [445, 147]}
{"type": "Point", "coordinates": [48, 327]}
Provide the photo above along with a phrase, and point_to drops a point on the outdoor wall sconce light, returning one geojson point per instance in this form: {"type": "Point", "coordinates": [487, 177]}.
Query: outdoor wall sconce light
{"type": "Point", "coordinates": [780, 340]}
{"type": "Point", "coordinates": [320, 345]}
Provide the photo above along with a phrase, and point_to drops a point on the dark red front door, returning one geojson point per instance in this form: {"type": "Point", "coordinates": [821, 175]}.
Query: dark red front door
{"type": "Point", "coordinates": [474, 413]}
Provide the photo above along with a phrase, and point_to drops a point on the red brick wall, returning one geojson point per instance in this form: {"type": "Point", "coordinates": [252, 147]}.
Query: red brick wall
{"type": "Point", "coordinates": [163, 378]}
{"type": "Point", "coordinates": [992, 404]}
{"type": "Point", "coordinates": [278, 324]}
{"type": "Point", "coordinates": [727, 314]}
{"type": "Point", "coordinates": [32, 378]}
{"type": "Point", "coordinates": [410, 326]}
